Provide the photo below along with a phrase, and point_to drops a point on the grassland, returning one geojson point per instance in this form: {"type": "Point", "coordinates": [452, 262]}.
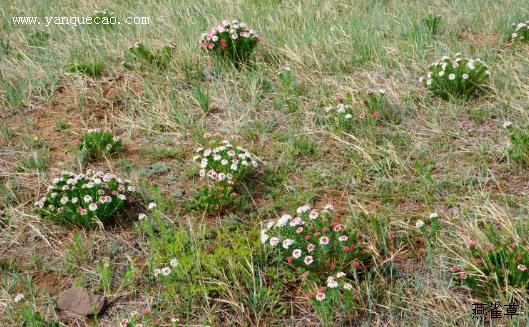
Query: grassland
{"type": "Point", "coordinates": [444, 157]}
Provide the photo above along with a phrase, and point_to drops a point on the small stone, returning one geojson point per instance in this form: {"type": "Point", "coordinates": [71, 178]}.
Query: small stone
{"type": "Point", "coordinates": [79, 301]}
{"type": "Point", "coordinates": [208, 76]}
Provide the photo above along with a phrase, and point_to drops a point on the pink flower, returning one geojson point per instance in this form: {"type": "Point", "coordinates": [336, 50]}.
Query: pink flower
{"type": "Point", "coordinates": [296, 221]}
{"type": "Point", "coordinates": [296, 253]}
{"type": "Point", "coordinates": [343, 238]}
{"type": "Point", "coordinates": [320, 296]}
{"type": "Point", "coordinates": [310, 295]}
{"type": "Point", "coordinates": [324, 229]}
{"type": "Point", "coordinates": [19, 297]}
{"type": "Point", "coordinates": [338, 228]}
{"type": "Point", "coordinates": [299, 229]}
{"type": "Point", "coordinates": [311, 247]}
{"type": "Point", "coordinates": [479, 261]}
{"type": "Point", "coordinates": [356, 264]}
{"type": "Point", "coordinates": [522, 267]}
{"type": "Point", "coordinates": [287, 243]}
{"type": "Point", "coordinates": [324, 240]}
{"type": "Point", "coordinates": [308, 260]}
{"type": "Point", "coordinates": [124, 323]}
{"type": "Point", "coordinates": [454, 269]}
{"type": "Point", "coordinates": [211, 45]}
{"type": "Point", "coordinates": [463, 275]}
{"type": "Point", "coordinates": [471, 244]}
{"type": "Point", "coordinates": [289, 259]}
{"type": "Point", "coordinates": [307, 237]}
{"type": "Point", "coordinates": [346, 248]}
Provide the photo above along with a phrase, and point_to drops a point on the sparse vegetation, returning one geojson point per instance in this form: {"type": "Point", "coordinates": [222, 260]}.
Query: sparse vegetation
{"type": "Point", "coordinates": [140, 56]}
{"type": "Point", "coordinates": [428, 179]}
{"type": "Point", "coordinates": [519, 143]}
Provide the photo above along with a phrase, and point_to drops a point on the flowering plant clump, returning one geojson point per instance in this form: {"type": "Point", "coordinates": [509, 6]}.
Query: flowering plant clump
{"type": "Point", "coordinates": [234, 41]}
{"type": "Point", "coordinates": [139, 56]}
{"type": "Point", "coordinates": [335, 296]}
{"type": "Point", "coordinates": [85, 199]}
{"type": "Point", "coordinates": [97, 144]}
{"type": "Point", "coordinates": [335, 286]}
{"type": "Point", "coordinates": [494, 265]}
{"type": "Point", "coordinates": [521, 32]}
{"type": "Point", "coordinates": [374, 101]}
{"type": "Point", "coordinates": [456, 77]}
{"type": "Point", "coordinates": [315, 242]}
{"type": "Point", "coordinates": [370, 108]}
{"type": "Point", "coordinates": [223, 165]}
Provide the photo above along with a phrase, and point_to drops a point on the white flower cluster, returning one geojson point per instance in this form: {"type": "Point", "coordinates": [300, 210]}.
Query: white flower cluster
{"type": "Point", "coordinates": [225, 162]}
{"type": "Point", "coordinates": [98, 130]}
{"type": "Point", "coordinates": [292, 222]}
{"type": "Point", "coordinates": [298, 224]}
{"type": "Point", "coordinates": [521, 32]}
{"type": "Point", "coordinates": [344, 110]}
{"type": "Point", "coordinates": [332, 281]}
{"type": "Point", "coordinates": [234, 31]}
{"type": "Point", "coordinates": [104, 13]}
{"type": "Point", "coordinates": [166, 271]}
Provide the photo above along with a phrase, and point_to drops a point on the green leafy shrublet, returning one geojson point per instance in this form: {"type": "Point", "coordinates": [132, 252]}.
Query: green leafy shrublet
{"type": "Point", "coordinates": [233, 41]}
{"type": "Point", "coordinates": [456, 77]}
{"type": "Point", "coordinates": [140, 56]}
{"type": "Point", "coordinates": [519, 143]}
{"type": "Point", "coordinates": [500, 263]}
{"type": "Point", "coordinates": [432, 22]}
{"type": "Point", "coordinates": [97, 144]}
{"type": "Point", "coordinates": [92, 69]}
{"type": "Point", "coordinates": [521, 32]}
{"type": "Point", "coordinates": [85, 199]}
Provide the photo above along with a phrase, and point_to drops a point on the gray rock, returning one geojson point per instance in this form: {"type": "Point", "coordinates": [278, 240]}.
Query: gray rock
{"type": "Point", "coordinates": [79, 301]}
{"type": "Point", "coordinates": [208, 76]}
